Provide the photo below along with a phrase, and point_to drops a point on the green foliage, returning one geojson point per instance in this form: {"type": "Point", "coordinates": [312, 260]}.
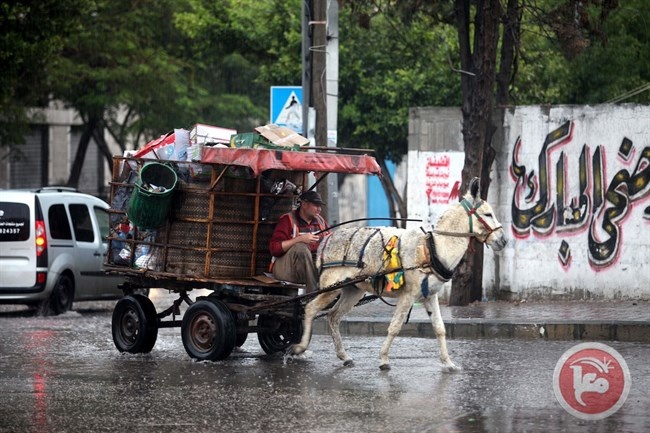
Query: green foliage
{"type": "Point", "coordinates": [120, 58]}
{"type": "Point", "coordinates": [241, 48]}
{"type": "Point", "coordinates": [386, 68]}
{"type": "Point", "coordinates": [613, 58]}
{"type": "Point", "coordinates": [146, 67]}
{"type": "Point", "coordinates": [619, 63]}
{"type": "Point", "coordinates": [31, 35]}
{"type": "Point", "coordinates": [542, 76]}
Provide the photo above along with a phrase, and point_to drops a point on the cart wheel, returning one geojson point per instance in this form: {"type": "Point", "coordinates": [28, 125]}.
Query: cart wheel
{"type": "Point", "coordinates": [208, 330]}
{"type": "Point", "coordinates": [134, 324]}
{"type": "Point", "coordinates": [241, 336]}
{"type": "Point", "coordinates": [286, 334]}
{"type": "Point", "coordinates": [241, 339]}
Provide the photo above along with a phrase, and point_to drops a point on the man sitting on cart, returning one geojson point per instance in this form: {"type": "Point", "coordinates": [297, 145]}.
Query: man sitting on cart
{"type": "Point", "coordinates": [295, 241]}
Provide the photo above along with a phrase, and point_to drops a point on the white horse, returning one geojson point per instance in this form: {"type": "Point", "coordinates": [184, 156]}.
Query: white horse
{"type": "Point", "coordinates": [421, 261]}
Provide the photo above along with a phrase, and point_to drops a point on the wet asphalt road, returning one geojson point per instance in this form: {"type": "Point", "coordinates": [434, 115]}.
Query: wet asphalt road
{"type": "Point", "coordinates": [63, 374]}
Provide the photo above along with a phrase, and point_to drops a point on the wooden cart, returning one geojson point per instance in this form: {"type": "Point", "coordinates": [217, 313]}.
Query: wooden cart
{"type": "Point", "coordinates": [215, 235]}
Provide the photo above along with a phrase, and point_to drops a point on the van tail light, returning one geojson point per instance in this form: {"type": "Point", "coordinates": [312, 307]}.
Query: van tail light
{"type": "Point", "coordinates": [41, 238]}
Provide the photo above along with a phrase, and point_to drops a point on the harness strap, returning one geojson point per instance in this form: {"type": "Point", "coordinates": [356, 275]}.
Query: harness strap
{"type": "Point", "coordinates": [322, 253]}
{"type": "Point", "coordinates": [335, 264]}
{"type": "Point", "coordinates": [436, 265]}
{"type": "Point", "coordinates": [471, 210]}
{"type": "Point", "coordinates": [345, 262]}
{"type": "Point", "coordinates": [363, 249]}
{"type": "Point", "coordinates": [348, 244]}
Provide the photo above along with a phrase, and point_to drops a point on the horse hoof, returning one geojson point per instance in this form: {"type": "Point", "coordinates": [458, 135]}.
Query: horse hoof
{"type": "Point", "coordinates": [452, 368]}
{"type": "Point", "coordinates": [348, 363]}
{"type": "Point", "coordinates": [295, 349]}
{"type": "Point", "coordinates": [384, 367]}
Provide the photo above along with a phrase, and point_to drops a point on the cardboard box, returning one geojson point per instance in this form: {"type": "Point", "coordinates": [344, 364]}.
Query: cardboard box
{"type": "Point", "coordinates": [282, 136]}
{"type": "Point", "coordinates": [207, 135]}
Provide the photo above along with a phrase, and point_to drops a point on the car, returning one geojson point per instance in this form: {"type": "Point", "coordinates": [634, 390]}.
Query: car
{"type": "Point", "coordinates": [53, 243]}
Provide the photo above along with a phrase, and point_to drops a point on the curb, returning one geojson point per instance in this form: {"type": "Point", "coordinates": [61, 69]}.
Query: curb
{"type": "Point", "coordinates": [478, 328]}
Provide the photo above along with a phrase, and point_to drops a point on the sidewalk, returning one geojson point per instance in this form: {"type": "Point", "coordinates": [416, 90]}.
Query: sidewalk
{"type": "Point", "coordinates": [552, 320]}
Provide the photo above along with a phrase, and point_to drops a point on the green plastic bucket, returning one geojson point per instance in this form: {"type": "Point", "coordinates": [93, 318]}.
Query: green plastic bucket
{"type": "Point", "coordinates": [149, 206]}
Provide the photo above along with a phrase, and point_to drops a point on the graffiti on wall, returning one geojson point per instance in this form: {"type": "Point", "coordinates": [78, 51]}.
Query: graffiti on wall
{"type": "Point", "coordinates": [441, 178]}
{"type": "Point", "coordinates": [544, 204]}
{"type": "Point", "coordinates": [438, 180]}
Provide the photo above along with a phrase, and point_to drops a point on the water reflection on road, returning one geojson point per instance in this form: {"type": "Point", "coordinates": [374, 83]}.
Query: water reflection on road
{"type": "Point", "coordinates": [64, 374]}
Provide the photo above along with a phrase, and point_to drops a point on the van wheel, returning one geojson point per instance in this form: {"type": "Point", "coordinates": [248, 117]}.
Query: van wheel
{"type": "Point", "coordinates": [61, 298]}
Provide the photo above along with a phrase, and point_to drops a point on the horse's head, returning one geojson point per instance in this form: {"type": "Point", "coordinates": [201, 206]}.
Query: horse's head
{"type": "Point", "coordinates": [483, 223]}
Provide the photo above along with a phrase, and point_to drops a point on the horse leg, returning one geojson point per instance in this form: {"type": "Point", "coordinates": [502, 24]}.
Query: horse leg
{"type": "Point", "coordinates": [402, 308]}
{"type": "Point", "coordinates": [433, 309]}
{"type": "Point", "coordinates": [350, 295]}
{"type": "Point", "coordinates": [311, 309]}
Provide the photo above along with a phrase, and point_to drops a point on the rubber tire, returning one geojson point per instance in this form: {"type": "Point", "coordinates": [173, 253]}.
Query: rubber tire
{"type": "Point", "coordinates": [134, 324]}
{"type": "Point", "coordinates": [208, 330]}
{"type": "Point", "coordinates": [62, 296]}
{"type": "Point", "coordinates": [272, 342]}
{"type": "Point", "coordinates": [241, 339]}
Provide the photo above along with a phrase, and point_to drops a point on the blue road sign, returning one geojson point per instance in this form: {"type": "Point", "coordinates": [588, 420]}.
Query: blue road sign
{"type": "Point", "coordinates": [286, 107]}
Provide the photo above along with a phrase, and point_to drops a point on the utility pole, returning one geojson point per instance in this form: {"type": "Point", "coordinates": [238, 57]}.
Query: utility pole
{"type": "Point", "coordinates": [318, 79]}
{"type": "Point", "coordinates": [320, 60]}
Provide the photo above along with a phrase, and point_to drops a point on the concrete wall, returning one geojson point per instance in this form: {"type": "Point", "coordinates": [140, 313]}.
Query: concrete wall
{"type": "Point", "coordinates": [55, 136]}
{"type": "Point", "coordinates": [571, 186]}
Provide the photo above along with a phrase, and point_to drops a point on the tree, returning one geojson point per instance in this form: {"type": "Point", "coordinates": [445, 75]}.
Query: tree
{"type": "Point", "coordinates": [114, 83]}
{"type": "Point", "coordinates": [387, 65]}
{"type": "Point", "coordinates": [239, 49]}
{"type": "Point", "coordinates": [489, 50]}
{"type": "Point", "coordinates": [615, 65]}
{"type": "Point", "coordinates": [31, 36]}
{"type": "Point", "coordinates": [575, 23]}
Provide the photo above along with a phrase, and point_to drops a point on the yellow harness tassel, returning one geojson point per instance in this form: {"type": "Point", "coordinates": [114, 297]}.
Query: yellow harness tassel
{"type": "Point", "coordinates": [394, 280]}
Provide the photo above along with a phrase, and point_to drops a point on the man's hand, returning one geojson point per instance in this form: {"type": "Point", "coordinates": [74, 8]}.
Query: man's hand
{"type": "Point", "coordinates": [308, 238]}
{"type": "Point", "coordinates": [305, 238]}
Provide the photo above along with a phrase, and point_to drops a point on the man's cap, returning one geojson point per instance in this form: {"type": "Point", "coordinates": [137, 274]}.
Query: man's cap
{"type": "Point", "coordinates": [312, 197]}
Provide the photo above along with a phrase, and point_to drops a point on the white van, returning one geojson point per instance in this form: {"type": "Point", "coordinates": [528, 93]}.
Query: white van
{"type": "Point", "coordinates": [52, 249]}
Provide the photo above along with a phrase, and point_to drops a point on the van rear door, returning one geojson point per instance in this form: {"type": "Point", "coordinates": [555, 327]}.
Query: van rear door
{"type": "Point", "coordinates": [18, 258]}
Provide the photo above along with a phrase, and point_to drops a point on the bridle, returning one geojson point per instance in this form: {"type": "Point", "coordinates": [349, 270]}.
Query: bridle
{"type": "Point", "coordinates": [435, 264]}
{"type": "Point", "coordinates": [471, 211]}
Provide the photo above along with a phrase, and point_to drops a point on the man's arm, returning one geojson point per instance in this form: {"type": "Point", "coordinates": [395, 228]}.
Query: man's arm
{"type": "Point", "coordinates": [282, 232]}
{"type": "Point", "coordinates": [282, 239]}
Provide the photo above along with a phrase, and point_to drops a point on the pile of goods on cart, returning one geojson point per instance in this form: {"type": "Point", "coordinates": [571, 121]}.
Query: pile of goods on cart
{"type": "Point", "coordinates": [202, 202]}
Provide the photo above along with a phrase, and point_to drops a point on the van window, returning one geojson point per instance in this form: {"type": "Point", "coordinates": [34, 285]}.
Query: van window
{"type": "Point", "coordinates": [102, 219]}
{"type": "Point", "coordinates": [59, 224]}
{"type": "Point", "coordinates": [83, 225]}
{"type": "Point", "coordinates": [14, 222]}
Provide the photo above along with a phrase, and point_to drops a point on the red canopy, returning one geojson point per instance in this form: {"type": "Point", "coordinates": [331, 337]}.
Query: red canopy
{"type": "Point", "coordinates": [260, 160]}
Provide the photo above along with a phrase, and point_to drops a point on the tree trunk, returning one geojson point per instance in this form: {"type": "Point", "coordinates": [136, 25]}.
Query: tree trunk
{"type": "Point", "coordinates": [395, 202]}
{"type": "Point", "coordinates": [509, 49]}
{"type": "Point", "coordinates": [84, 141]}
{"type": "Point", "coordinates": [478, 61]}
{"type": "Point", "coordinates": [98, 136]}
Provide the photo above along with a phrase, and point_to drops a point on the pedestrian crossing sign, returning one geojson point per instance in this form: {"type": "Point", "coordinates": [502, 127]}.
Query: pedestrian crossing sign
{"type": "Point", "coordinates": [286, 107]}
